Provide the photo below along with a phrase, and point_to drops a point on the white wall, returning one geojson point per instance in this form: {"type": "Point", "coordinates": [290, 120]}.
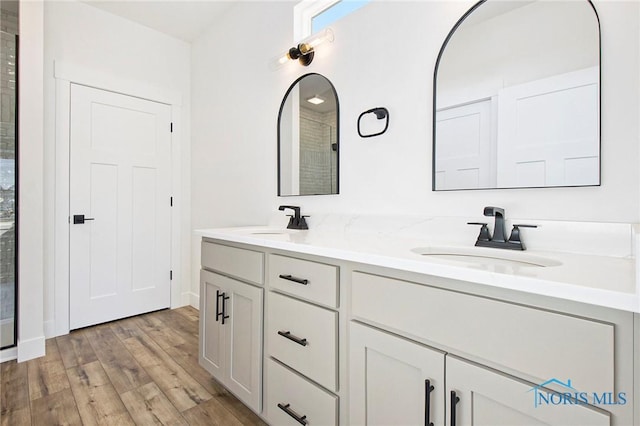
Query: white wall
{"type": "Point", "coordinates": [383, 55]}
{"type": "Point", "coordinates": [83, 36]}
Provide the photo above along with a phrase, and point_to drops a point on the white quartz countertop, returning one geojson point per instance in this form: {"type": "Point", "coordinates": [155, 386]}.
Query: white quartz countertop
{"type": "Point", "coordinates": [602, 280]}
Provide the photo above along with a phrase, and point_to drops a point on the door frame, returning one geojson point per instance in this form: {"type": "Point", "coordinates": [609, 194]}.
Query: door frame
{"type": "Point", "coordinates": [66, 74]}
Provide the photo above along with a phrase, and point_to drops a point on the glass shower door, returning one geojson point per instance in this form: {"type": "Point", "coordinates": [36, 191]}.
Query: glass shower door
{"type": "Point", "coordinates": [8, 188]}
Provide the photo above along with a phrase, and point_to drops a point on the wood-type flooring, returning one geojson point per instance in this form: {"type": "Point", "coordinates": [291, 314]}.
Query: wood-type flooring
{"type": "Point", "coordinates": [137, 371]}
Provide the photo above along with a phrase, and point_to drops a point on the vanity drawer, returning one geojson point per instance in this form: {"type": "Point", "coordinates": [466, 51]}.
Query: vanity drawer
{"type": "Point", "coordinates": [541, 344]}
{"type": "Point", "coordinates": [299, 396]}
{"type": "Point", "coordinates": [240, 263]}
{"type": "Point", "coordinates": [316, 282]}
{"type": "Point", "coordinates": [304, 337]}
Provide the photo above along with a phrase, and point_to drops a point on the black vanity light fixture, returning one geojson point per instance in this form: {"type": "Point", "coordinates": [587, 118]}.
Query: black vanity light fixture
{"type": "Point", "coordinates": [305, 50]}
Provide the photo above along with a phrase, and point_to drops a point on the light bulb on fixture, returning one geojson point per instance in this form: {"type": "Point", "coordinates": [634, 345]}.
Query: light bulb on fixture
{"type": "Point", "coordinates": [305, 50]}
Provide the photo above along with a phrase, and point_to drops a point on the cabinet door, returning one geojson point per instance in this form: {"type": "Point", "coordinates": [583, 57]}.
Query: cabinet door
{"type": "Point", "coordinates": [212, 346]}
{"type": "Point", "coordinates": [489, 398]}
{"type": "Point", "coordinates": [390, 379]}
{"type": "Point", "coordinates": [244, 342]}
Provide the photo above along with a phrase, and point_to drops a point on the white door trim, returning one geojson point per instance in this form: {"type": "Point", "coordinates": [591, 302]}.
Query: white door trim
{"type": "Point", "coordinates": [66, 73]}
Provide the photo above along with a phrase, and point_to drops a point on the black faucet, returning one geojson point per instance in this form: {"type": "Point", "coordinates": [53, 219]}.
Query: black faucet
{"type": "Point", "coordinates": [296, 221]}
{"type": "Point", "coordinates": [499, 240]}
{"type": "Point", "coordinates": [498, 227]}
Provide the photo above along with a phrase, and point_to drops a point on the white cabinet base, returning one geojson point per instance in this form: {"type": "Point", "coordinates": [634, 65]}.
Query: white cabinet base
{"type": "Point", "coordinates": [388, 380]}
{"type": "Point", "coordinates": [232, 351]}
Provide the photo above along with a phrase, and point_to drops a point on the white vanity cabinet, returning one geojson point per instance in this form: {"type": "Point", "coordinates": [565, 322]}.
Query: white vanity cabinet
{"type": "Point", "coordinates": [393, 381]}
{"type": "Point", "coordinates": [231, 321]}
{"type": "Point", "coordinates": [301, 338]}
{"type": "Point", "coordinates": [480, 396]}
{"type": "Point", "coordinates": [346, 342]}
{"type": "Point", "coordinates": [492, 355]}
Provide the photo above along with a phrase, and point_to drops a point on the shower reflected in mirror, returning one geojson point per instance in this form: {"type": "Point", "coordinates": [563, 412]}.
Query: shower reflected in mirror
{"type": "Point", "coordinates": [308, 138]}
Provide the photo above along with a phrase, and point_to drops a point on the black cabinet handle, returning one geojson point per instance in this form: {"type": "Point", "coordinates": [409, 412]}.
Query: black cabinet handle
{"type": "Point", "coordinates": [294, 279]}
{"type": "Point", "coordinates": [224, 307]}
{"type": "Point", "coordinates": [288, 335]}
{"type": "Point", "coordinates": [428, 388]}
{"type": "Point", "coordinates": [218, 296]}
{"type": "Point", "coordinates": [285, 407]}
{"type": "Point", "coordinates": [454, 401]}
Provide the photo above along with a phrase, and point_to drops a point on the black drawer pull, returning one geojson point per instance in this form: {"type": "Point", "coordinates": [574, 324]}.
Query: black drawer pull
{"type": "Point", "coordinates": [454, 402]}
{"type": "Point", "coordinates": [293, 338]}
{"type": "Point", "coordinates": [285, 407]}
{"type": "Point", "coordinates": [428, 388]}
{"type": "Point", "coordinates": [294, 279]}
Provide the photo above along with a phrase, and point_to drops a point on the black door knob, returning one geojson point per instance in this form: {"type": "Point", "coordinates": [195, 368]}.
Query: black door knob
{"type": "Point", "coordinates": [80, 219]}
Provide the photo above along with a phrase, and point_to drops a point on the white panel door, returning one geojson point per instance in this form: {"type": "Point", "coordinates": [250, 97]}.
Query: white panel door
{"type": "Point", "coordinates": [548, 131]}
{"type": "Point", "coordinates": [482, 397]}
{"type": "Point", "coordinates": [465, 155]}
{"type": "Point", "coordinates": [393, 381]}
{"type": "Point", "coordinates": [231, 335]}
{"type": "Point", "coordinates": [212, 339]}
{"type": "Point", "coordinates": [120, 179]}
{"type": "Point", "coordinates": [243, 339]}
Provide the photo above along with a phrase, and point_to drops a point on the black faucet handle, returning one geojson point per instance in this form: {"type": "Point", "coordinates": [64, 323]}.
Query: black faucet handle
{"type": "Point", "coordinates": [484, 231]}
{"type": "Point", "coordinates": [515, 232]}
{"type": "Point", "coordinates": [302, 223]}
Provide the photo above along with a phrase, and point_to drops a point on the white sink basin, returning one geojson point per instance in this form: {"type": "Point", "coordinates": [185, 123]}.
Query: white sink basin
{"type": "Point", "coordinates": [486, 256]}
{"type": "Point", "coordinates": [269, 233]}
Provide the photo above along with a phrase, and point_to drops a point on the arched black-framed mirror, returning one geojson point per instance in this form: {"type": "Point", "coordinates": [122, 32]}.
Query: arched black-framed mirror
{"type": "Point", "coordinates": [309, 138]}
{"type": "Point", "coordinates": [517, 97]}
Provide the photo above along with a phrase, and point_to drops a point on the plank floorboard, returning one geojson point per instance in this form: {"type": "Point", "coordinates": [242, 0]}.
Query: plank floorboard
{"type": "Point", "coordinates": [189, 313]}
{"type": "Point", "coordinates": [47, 374]}
{"type": "Point", "coordinates": [75, 349]}
{"type": "Point", "coordinates": [14, 398]}
{"type": "Point", "coordinates": [211, 412]}
{"type": "Point", "coordinates": [148, 405]}
{"type": "Point", "coordinates": [56, 409]}
{"type": "Point", "coordinates": [155, 328]}
{"type": "Point", "coordinates": [187, 358]}
{"type": "Point", "coordinates": [181, 389]}
{"type": "Point", "coordinates": [97, 400]}
{"type": "Point", "coordinates": [122, 368]}
{"type": "Point", "coordinates": [126, 328]}
{"type": "Point", "coordinates": [142, 370]}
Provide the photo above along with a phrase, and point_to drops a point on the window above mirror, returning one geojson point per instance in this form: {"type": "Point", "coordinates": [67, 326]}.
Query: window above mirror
{"type": "Point", "coordinates": [311, 16]}
{"type": "Point", "coordinates": [517, 97]}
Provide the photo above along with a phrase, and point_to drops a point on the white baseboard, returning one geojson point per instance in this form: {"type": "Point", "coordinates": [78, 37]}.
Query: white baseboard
{"type": "Point", "coordinates": [8, 354]}
{"type": "Point", "coordinates": [194, 300]}
{"type": "Point", "coordinates": [30, 349]}
{"type": "Point", "coordinates": [185, 298]}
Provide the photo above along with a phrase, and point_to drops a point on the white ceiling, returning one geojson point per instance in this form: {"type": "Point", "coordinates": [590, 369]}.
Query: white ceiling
{"type": "Point", "coordinates": [183, 19]}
